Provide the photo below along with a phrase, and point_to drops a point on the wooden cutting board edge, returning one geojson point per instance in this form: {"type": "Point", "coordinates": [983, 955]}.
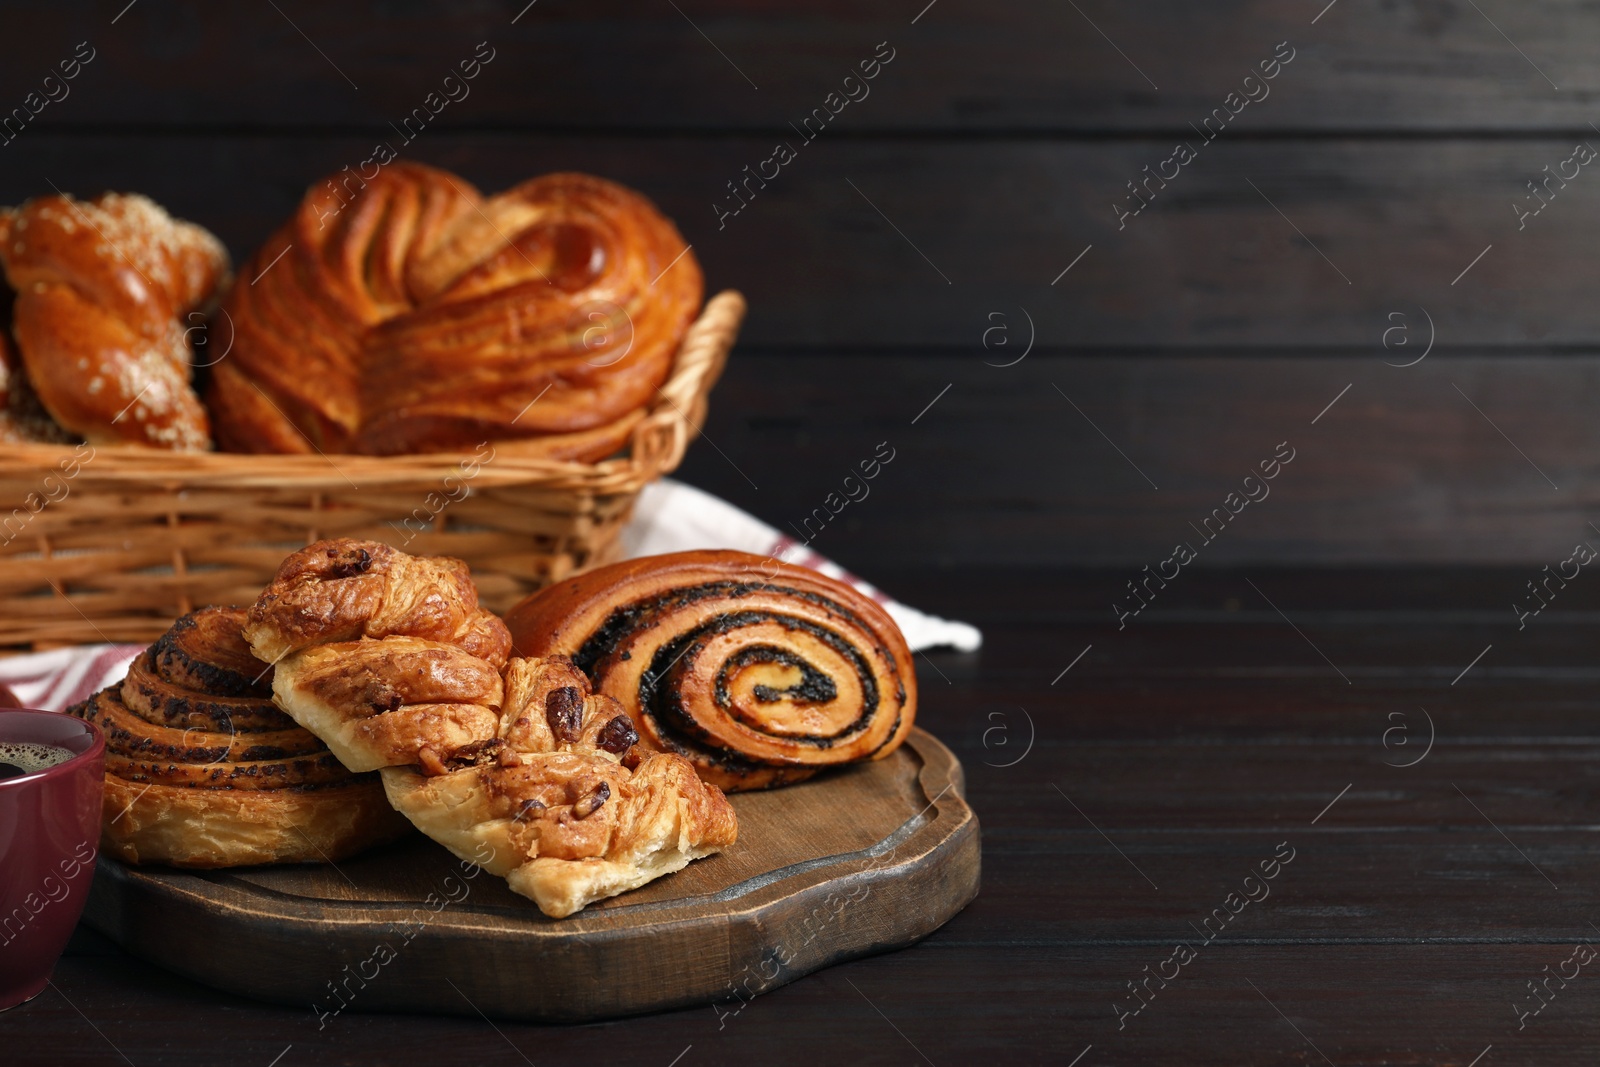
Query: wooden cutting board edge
{"type": "Point", "coordinates": [723, 947]}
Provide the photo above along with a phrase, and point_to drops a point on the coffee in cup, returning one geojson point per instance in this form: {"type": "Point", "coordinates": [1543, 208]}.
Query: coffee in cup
{"type": "Point", "coordinates": [52, 778]}
{"type": "Point", "coordinates": [18, 758]}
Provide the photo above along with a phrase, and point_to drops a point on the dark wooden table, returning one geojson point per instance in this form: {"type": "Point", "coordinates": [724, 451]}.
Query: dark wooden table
{"type": "Point", "coordinates": [900, 271]}
{"type": "Point", "coordinates": [1430, 768]}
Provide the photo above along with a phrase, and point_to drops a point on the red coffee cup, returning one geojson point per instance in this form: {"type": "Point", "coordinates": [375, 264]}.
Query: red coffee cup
{"type": "Point", "coordinates": [49, 837]}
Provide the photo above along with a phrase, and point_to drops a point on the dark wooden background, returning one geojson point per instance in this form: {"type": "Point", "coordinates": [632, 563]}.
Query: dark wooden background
{"type": "Point", "coordinates": [1372, 190]}
{"type": "Point", "coordinates": [995, 143]}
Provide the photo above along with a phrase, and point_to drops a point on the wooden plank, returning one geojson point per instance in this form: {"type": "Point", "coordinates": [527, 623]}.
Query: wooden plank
{"type": "Point", "coordinates": [1209, 264]}
{"type": "Point", "coordinates": [1034, 65]}
{"type": "Point", "coordinates": [1258, 644]}
{"type": "Point", "coordinates": [1072, 888]}
{"type": "Point", "coordinates": [1437, 1003]}
{"type": "Point", "coordinates": [1135, 766]}
{"type": "Point", "coordinates": [1046, 463]}
{"type": "Point", "coordinates": [990, 719]}
{"type": "Point", "coordinates": [1536, 791]}
{"type": "Point", "coordinates": [997, 594]}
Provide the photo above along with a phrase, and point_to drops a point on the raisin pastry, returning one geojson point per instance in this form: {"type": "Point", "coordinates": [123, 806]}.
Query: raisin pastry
{"type": "Point", "coordinates": [564, 818]}
{"type": "Point", "coordinates": [389, 660]}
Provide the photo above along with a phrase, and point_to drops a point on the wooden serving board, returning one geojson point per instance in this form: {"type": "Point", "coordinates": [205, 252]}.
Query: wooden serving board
{"type": "Point", "coordinates": [867, 858]}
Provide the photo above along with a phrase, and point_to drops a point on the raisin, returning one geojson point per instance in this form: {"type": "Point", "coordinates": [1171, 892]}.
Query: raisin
{"type": "Point", "coordinates": [349, 568]}
{"type": "Point", "coordinates": [475, 752]}
{"type": "Point", "coordinates": [563, 708]}
{"type": "Point", "coordinates": [590, 802]}
{"type": "Point", "coordinates": [529, 809]}
{"type": "Point", "coordinates": [617, 736]}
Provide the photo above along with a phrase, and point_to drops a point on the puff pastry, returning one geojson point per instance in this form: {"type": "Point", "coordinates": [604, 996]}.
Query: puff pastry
{"type": "Point", "coordinates": [527, 761]}
{"type": "Point", "coordinates": [758, 672]}
{"type": "Point", "coordinates": [345, 589]}
{"type": "Point", "coordinates": [203, 771]}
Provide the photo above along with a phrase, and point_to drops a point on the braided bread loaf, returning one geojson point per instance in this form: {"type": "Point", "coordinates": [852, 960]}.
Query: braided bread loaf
{"type": "Point", "coordinates": [410, 314]}
{"type": "Point", "coordinates": [104, 290]}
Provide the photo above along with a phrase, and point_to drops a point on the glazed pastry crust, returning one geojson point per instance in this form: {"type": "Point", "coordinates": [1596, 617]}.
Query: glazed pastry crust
{"type": "Point", "coordinates": [161, 703]}
{"type": "Point", "coordinates": [351, 589]}
{"type": "Point", "coordinates": [203, 771]}
{"type": "Point", "coordinates": [658, 819]}
{"type": "Point", "coordinates": [538, 768]}
{"type": "Point", "coordinates": [380, 703]}
{"type": "Point", "coordinates": [554, 799]}
{"type": "Point", "coordinates": [105, 293]}
{"type": "Point", "coordinates": [130, 734]}
{"type": "Point", "coordinates": [759, 672]}
{"type": "Point", "coordinates": [204, 652]}
{"type": "Point", "coordinates": [209, 828]}
{"type": "Point", "coordinates": [407, 312]}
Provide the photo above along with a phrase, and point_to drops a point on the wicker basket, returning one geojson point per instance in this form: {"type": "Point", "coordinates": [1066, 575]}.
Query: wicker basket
{"type": "Point", "coordinates": [115, 546]}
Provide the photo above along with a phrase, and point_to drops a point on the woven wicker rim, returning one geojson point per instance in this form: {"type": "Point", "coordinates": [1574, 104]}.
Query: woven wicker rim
{"type": "Point", "coordinates": [655, 446]}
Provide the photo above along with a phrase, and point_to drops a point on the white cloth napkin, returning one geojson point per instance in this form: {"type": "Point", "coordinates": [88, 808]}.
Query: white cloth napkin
{"type": "Point", "coordinates": [669, 517]}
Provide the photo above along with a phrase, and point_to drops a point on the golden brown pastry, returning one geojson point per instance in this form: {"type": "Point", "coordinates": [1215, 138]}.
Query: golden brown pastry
{"type": "Point", "coordinates": [564, 819]}
{"type": "Point", "coordinates": [203, 771]}
{"type": "Point", "coordinates": [759, 672]}
{"type": "Point", "coordinates": [408, 313]}
{"type": "Point", "coordinates": [384, 703]}
{"type": "Point", "coordinates": [530, 763]}
{"type": "Point", "coordinates": [105, 288]}
{"type": "Point", "coordinates": [205, 829]}
{"type": "Point", "coordinates": [344, 589]}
